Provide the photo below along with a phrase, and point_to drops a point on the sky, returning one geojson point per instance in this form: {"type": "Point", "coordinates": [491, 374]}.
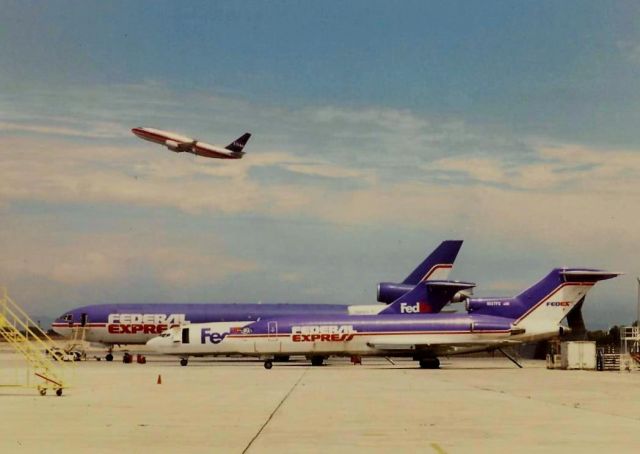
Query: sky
{"type": "Point", "coordinates": [379, 130]}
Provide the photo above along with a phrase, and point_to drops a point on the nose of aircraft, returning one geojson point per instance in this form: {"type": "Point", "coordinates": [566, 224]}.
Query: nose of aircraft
{"type": "Point", "coordinates": [153, 342]}
{"type": "Point", "coordinates": [156, 343]}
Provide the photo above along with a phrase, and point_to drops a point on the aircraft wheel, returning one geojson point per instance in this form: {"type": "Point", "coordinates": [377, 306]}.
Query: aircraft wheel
{"type": "Point", "coordinates": [59, 392]}
{"type": "Point", "coordinates": [317, 361]}
{"type": "Point", "coordinates": [43, 391]}
{"type": "Point", "coordinates": [430, 363]}
{"type": "Point", "coordinates": [109, 357]}
{"type": "Point", "coordinates": [268, 364]}
{"type": "Point", "coordinates": [184, 361]}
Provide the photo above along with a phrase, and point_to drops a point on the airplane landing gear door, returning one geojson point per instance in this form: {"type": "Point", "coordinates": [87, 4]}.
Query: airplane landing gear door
{"type": "Point", "coordinates": [272, 328]}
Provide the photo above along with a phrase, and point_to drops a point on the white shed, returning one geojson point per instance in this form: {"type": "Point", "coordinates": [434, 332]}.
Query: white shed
{"type": "Point", "coordinates": [578, 355]}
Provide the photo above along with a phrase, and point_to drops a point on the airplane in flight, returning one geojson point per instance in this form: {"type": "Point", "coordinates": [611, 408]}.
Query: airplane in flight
{"type": "Point", "coordinates": [181, 144]}
{"type": "Point", "coordinates": [132, 323]}
{"type": "Point", "coordinates": [404, 328]}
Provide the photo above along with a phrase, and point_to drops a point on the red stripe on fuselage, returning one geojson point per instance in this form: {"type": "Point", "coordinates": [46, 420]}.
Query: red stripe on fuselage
{"type": "Point", "coordinates": [395, 333]}
{"type": "Point", "coordinates": [211, 154]}
{"type": "Point", "coordinates": [78, 325]}
{"type": "Point", "coordinates": [433, 270]}
{"type": "Point", "coordinates": [151, 136]}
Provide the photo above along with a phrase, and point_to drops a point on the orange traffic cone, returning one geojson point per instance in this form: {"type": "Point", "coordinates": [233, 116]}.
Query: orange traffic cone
{"type": "Point", "coordinates": [159, 379]}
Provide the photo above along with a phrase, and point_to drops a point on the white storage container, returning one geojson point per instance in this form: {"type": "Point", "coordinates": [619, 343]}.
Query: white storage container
{"type": "Point", "coordinates": [578, 355]}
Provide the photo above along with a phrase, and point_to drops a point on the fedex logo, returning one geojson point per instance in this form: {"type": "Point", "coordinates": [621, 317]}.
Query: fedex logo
{"type": "Point", "coordinates": [418, 308]}
{"type": "Point", "coordinates": [214, 338]}
{"type": "Point", "coordinates": [142, 323]}
{"type": "Point", "coordinates": [559, 303]}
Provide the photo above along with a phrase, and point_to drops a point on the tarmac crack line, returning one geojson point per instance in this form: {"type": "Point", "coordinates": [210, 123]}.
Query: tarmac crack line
{"type": "Point", "coordinates": [575, 406]}
{"type": "Point", "coordinates": [273, 413]}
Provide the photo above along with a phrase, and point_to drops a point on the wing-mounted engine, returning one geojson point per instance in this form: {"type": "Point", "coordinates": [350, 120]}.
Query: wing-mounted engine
{"type": "Point", "coordinates": [180, 147]}
{"type": "Point", "coordinates": [173, 146]}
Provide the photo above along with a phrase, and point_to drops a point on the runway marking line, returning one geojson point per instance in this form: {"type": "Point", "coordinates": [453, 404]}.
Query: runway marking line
{"type": "Point", "coordinates": [255, 437]}
{"type": "Point", "coordinates": [437, 448]}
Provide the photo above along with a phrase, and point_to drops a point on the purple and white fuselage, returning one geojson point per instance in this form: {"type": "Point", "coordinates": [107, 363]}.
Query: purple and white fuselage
{"type": "Point", "coordinates": [118, 324]}
{"type": "Point", "coordinates": [401, 329]}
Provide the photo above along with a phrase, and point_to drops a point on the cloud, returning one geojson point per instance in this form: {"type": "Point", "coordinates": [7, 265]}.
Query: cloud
{"type": "Point", "coordinates": [630, 51]}
{"type": "Point", "coordinates": [99, 130]}
{"type": "Point", "coordinates": [71, 258]}
{"type": "Point", "coordinates": [328, 165]}
{"type": "Point", "coordinates": [546, 198]}
{"type": "Point", "coordinates": [553, 168]}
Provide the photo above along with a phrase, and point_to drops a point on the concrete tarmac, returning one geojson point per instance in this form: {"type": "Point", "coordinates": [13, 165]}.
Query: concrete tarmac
{"type": "Point", "coordinates": [235, 405]}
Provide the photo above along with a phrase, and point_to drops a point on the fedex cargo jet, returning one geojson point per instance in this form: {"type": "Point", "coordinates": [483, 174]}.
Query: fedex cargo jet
{"type": "Point", "coordinates": [404, 328]}
{"type": "Point", "coordinates": [179, 143]}
{"type": "Point", "coordinates": [119, 324]}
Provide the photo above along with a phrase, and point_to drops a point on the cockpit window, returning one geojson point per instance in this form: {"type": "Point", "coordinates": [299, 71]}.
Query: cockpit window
{"type": "Point", "coordinates": [67, 317]}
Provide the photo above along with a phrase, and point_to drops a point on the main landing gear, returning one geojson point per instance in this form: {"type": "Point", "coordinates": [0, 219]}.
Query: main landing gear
{"type": "Point", "coordinates": [184, 361]}
{"type": "Point", "coordinates": [317, 360]}
{"type": "Point", "coordinates": [429, 363]}
{"type": "Point", "coordinates": [268, 364]}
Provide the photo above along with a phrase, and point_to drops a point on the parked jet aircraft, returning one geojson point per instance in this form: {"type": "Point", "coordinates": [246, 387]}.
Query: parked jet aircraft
{"type": "Point", "coordinates": [404, 328]}
{"type": "Point", "coordinates": [178, 143]}
{"type": "Point", "coordinates": [118, 324]}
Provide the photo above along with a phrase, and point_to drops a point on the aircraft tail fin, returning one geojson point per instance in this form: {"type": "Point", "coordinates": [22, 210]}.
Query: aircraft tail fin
{"type": "Point", "coordinates": [556, 295]}
{"type": "Point", "coordinates": [237, 145]}
{"type": "Point", "coordinates": [427, 297]}
{"type": "Point", "coordinates": [437, 265]}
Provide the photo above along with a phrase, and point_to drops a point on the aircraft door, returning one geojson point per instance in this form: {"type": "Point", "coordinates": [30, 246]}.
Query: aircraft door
{"type": "Point", "coordinates": [272, 330]}
{"type": "Point", "coordinates": [185, 335]}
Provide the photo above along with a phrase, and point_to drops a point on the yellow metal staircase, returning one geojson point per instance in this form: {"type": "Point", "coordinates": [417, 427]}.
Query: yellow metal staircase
{"type": "Point", "coordinates": [20, 332]}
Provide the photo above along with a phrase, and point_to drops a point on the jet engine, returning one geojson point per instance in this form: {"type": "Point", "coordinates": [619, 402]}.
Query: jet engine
{"type": "Point", "coordinates": [462, 296]}
{"type": "Point", "coordinates": [173, 146]}
{"type": "Point", "coordinates": [388, 292]}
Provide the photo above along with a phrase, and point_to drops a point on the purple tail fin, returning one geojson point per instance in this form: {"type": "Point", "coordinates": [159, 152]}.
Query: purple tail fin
{"type": "Point", "coordinates": [427, 297]}
{"type": "Point", "coordinates": [441, 258]}
{"type": "Point", "coordinates": [551, 298]}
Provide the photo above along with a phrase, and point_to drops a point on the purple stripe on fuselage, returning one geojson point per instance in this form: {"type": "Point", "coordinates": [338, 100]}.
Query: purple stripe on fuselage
{"type": "Point", "coordinates": [452, 323]}
{"type": "Point", "coordinates": [200, 313]}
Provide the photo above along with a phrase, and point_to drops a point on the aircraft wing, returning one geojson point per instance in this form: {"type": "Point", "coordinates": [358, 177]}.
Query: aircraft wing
{"type": "Point", "coordinates": [448, 349]}
{"type": "Point", "coordinates": [184, 146]}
